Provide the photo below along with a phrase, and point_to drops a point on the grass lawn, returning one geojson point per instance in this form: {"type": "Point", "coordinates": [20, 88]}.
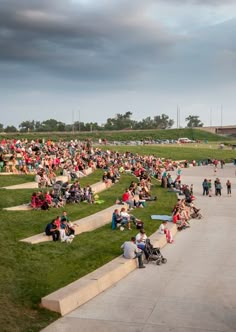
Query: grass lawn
{"type": "Point", "coordinates": [8, 180]}
{"type": "Point", "coordinates": [29, 272]}
{"type": "Point", "coordinates": [180, 152]}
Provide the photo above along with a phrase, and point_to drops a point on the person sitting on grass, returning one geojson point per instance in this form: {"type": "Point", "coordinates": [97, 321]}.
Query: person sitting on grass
{"type": "Point", "coordinates": [66, 233]}
{"type": "Point", "coordinates": [126, 218]}
{"type": "Point", "coordinates": [131, 251]}
{"type": "Point", "coordinates": [116, 219]}
{"type": "Point", "coordinates": [48, 198]}
{"type": "Point", "coordinates": [70, 228]}
{"type": "Point", "coordinates": [128, 198]}
{"type": "Point", "coordinates": [53, 230]}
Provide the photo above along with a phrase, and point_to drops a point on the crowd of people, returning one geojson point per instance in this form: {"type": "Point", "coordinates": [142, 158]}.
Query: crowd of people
{"type": "Point", "coordinates": [207, 187]}
{"type": "Point", "coordinates": [46, 159]}
{"type": "Point", "coordinates": [72, 158]}
{"type": "Point", "coordinates": [61, 194]}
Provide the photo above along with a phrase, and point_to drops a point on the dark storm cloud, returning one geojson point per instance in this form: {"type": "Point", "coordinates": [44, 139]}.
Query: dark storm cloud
{"type": "Point", "coordinates": [69, 38]}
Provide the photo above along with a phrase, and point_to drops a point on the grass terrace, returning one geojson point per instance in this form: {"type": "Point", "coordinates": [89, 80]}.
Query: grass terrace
{"type": "Point", "coordinates": [181, 152]}
{"type": "Point", "coordinates": [123, 135]}
{"type": "Point", "coordinates": [29, 272]}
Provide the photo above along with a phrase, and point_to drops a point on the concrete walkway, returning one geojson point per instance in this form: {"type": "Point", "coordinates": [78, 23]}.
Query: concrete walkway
{"type": "Point", "coordinates": [194, 292]}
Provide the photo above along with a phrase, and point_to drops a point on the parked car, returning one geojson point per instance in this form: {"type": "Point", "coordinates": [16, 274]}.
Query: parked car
{"type": "Point", "coordinates": [185, 140]}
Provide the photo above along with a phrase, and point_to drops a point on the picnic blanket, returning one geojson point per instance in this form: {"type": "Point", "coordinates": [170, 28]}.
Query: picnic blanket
{"type": "Point", "coordinates": [99, 201]}
{"type": "Point", "coordinates": [161, 217]}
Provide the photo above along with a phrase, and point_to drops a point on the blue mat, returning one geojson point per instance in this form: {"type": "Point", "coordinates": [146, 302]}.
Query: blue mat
{"type": "Point", "coordinates": [161, 217]}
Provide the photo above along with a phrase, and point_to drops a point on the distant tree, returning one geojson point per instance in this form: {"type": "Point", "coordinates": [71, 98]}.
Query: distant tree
{"type": "Point", "coordinates": [163, 121]}
{"type": "Point", "coordinates": [121, 121]}
{"type": "Point", "coordinates": [109, 125]}
{"type": "Point", "coordinates": [52, 125]}
{"type": "Point", "coordinates": [10, 129]}
{"type": "Point", "coordinates": [38, 125]}
{"type": "Point", "coordinates": [147, 123]}
{"type": "Point", "coordinates": [193, 121]}
{"type": "Point", "coordinates": [1, 128]}
{"type": "Point", "coordinates": [26, 126]}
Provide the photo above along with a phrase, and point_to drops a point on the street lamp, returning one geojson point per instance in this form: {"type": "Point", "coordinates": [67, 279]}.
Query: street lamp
{"type": "Point", "coordinates": [79, 119]}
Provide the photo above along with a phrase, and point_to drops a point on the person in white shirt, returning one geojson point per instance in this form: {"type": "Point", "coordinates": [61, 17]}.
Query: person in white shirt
{"type": "Point", "coordinates": [140, 239]}
{"type": "Point", "coordinates": [125, 218]}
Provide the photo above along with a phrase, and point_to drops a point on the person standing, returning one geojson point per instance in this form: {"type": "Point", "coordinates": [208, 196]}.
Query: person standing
{"type": "Point", "coordinates": [218, 187]}
{"type": "Point", "coordinates": [205, 187]}
{"type": "Point", "coordinates": [228, 186]}
{"type": "Point", "coordinates": [209, 188]}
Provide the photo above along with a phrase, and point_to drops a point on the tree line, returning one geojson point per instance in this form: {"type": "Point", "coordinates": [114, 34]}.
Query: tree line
{"type": "Point", "coordinates": [119, 122]}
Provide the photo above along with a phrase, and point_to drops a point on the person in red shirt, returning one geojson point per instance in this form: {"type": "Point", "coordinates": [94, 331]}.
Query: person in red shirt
{"type": "Point", "coordinates": [128, 198]}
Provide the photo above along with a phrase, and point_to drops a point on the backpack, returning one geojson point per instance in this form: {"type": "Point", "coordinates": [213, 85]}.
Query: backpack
{"type": "Point", "coordinates": [45, 206]}
{"type": "Point", "coordinates": [47, 229]}
{"type": "Point", "coordinates": [139, 224]}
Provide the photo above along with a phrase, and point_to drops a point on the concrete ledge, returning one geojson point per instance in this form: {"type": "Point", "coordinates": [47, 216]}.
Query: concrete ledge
{"type": "Point", "coordinates": [24, 207]}
{"type": "Point", "coordinates": [34, 185]}
{"type": "Point", "coordinates": [78, 292]}
{"type": "Point", "coordinates": [86, 224]}
{"type": "Point", "coordinates": [100, 186]}
{"type": "Point", "coordinates": [96, 188]}
{"type": "Point", "coordinates": [7, 173]}
{"type": "Point", "coordinates": [159, 240]}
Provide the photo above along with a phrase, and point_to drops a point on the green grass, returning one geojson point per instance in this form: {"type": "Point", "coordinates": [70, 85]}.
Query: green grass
{"type": "Point", "coordinates": [23, 196]}
{"type": "Point", "coordinates": [29, 272]}
{"type": "Point", "coordinates": [9, 180]}
{"type": "Point", "coordinates": [183, 152]}
{"type": "Point", "coordinates": [122, 135]}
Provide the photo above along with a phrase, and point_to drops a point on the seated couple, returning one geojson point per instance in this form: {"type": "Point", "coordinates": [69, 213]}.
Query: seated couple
{"type": "Point", "coordinates": [60, 228]}
{"type": "Point", "coordinates": [123, 219]}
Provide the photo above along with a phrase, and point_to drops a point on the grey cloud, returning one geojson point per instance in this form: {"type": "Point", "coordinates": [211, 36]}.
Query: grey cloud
{"type": "Point", "coordinates": [202, 2]}
{"type": "Point", "coordinates": [64, 37]}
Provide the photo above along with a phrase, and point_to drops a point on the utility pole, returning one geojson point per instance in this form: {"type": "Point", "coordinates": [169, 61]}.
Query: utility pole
{"type": "Point", "coordinates": [178, 117]}
{"type": "Point", "coordinates": [73, 122]}
{"type": "Point", "coordinates": [79, 120]}
{"type": "Point", "coordinates": [210, 117]}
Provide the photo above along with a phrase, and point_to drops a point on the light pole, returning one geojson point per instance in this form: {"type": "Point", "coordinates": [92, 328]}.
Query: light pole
{"type": "Point", "coordinates": [79, 119]}
{"type": "Point", "coordinates": [73, 122]}
{"type": "Point", "coordinates": [221, 115]}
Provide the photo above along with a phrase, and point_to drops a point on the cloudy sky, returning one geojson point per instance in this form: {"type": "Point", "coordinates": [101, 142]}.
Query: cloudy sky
{"type": "Point", "coordinates": [88, 60]}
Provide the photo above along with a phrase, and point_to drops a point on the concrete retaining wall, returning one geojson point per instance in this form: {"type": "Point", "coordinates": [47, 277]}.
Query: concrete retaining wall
{"type": "Point", "coordinates": [80, 291]}
{"type": "Point", "coordinates": [86, 224]}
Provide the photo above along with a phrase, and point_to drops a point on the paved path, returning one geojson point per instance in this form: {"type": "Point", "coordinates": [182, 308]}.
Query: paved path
{"type": "Point", "coordinates": [194, 292]}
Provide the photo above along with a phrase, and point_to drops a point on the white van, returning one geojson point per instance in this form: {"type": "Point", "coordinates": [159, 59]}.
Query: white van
{"type": "Point", "coordinates": [185, 140]}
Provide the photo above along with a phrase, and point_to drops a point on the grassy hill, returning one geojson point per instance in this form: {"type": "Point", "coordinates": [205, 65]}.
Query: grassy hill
{"type": "Point", "coordinates": [123, 135]}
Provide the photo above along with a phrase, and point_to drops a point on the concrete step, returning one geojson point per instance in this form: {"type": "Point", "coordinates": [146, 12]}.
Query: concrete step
{"type": "Point", "coordinates": [80, 291]}
{"type": "Point", "coordinates": [86, 224]}
{"type": "Point", "coordinates": [34, 185]}
{"type": "Point", "coordinates": [96, 188]}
